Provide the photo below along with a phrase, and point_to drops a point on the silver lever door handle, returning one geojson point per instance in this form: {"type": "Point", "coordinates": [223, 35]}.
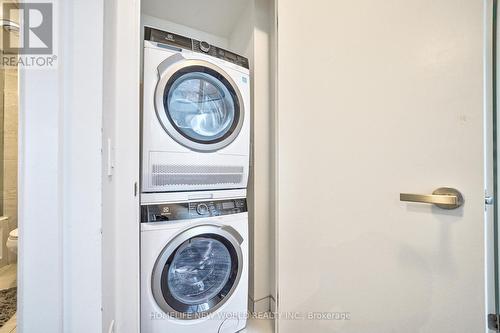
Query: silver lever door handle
{"type": "Point", "coordinates": [443, 197]}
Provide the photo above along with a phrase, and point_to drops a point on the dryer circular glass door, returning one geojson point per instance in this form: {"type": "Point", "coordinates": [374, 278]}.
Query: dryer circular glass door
{"type": "Point", "coordinates": [197, 272]}
{"type": "Point", "coordinates": [199, 105]}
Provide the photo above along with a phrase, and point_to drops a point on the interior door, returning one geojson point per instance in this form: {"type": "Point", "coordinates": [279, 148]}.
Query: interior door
{"type": "Point", "coordinates": [378, 98]}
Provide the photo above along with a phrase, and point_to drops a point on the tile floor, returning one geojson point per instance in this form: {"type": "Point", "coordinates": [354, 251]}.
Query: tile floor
{"type": "Point", "coordinates": [259, 326]}
{"type": "Point", "coordinates": [10, 326]}
{"type": "Point", "coordinates": [8, 279]}
{"type": "Point", "coordinates": [8, 276]}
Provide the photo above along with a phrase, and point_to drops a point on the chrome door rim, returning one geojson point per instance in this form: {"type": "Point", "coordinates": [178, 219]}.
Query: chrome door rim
{"type": "Point", "coordinates": [166, 70]}
{"type": "Point", "coordinates": [226, 232]}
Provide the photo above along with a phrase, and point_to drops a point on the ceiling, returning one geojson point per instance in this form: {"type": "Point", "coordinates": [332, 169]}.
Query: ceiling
{"type": "Point", "coordinates": [216, 17]}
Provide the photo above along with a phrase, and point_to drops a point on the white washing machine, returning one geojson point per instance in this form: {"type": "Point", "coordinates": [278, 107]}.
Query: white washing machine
{"type": "Point", "coordinates": [194, 263]}
{"type": "Point", "coordinates": [195, 117]}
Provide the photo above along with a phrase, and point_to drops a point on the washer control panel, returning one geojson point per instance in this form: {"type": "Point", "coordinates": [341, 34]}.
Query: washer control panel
{"type": "Point", "coordinates": [191, 210]}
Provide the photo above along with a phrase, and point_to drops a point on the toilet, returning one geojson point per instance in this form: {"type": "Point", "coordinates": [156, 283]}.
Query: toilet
{"type": "Point", "coordinates": [12, 244]}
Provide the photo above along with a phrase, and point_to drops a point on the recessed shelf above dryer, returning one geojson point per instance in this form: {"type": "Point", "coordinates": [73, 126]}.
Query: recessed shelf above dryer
{"type": "Point", "coordinates": [216, 21]}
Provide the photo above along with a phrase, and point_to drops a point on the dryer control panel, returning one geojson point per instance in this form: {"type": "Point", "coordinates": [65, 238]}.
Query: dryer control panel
{"type": "Point", "coordinates": [191, 210]}
{"type": "Point", "coordinates": [178, 41]}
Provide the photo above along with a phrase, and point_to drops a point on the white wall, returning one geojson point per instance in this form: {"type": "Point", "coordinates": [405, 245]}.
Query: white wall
{"type": "Point", "coordinates": [59, 186]}
{"type": "Point", "coordinates": [40, 289]}
{"type": "Point", "coordinates": [120, 202]}
{"type": "Point", "coordinates": [241, 38]}
{"type": "Point", "coordinates": [252, 38]}
{"type": "Point", "coordinates": [81, 157]}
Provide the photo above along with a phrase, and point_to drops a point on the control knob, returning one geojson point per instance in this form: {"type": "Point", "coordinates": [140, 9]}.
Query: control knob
{"type": "Point", "coordinates": [202, 209]}
{"type": "Point", "coordinates": [204, 46]}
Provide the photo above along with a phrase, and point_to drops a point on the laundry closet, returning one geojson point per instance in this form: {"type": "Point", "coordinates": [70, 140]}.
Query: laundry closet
{"type": "Point", "coordinates": [384, 194]}
{"type": "Point", "coordinates": [229, 46]}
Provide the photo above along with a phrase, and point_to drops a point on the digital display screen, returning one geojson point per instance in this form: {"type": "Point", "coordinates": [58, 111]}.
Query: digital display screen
{"type": "Point", "coordinates": [228, 205]}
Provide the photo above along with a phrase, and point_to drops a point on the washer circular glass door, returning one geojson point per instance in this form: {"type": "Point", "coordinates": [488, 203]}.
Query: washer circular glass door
{"type": "Point", "coordinates": [197, 272]}
{"type": "Point", "coordinates": [199, 105]}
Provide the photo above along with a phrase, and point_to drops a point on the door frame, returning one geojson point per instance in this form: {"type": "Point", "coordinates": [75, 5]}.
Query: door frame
{"type": "Point", "coordinates": [491, 211]}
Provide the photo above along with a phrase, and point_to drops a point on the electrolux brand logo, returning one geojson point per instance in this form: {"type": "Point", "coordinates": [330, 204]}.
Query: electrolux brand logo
{"type": "Point", "coordinates": [31, 43]}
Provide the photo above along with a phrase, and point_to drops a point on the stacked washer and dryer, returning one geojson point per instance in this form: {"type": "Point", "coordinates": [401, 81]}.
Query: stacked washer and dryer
{"type": "Point", "coordinates": [195, 162]}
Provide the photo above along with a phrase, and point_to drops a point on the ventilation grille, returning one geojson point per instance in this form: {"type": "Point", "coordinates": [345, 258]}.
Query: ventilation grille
{"type": "Point", "coordinates": [164, 175]}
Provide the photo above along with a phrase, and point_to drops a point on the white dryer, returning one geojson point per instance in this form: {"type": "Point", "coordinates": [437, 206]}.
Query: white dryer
{"type": "Point", "coordinates": [195, 115]}
{"type": "Point", "coordinates": [194, 264]}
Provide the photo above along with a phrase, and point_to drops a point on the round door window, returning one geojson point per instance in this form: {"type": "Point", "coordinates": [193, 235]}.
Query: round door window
{"type": "Point", "coordinates": [200, 107]}
{"type": "Point", "coordinates": [199, 274]}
